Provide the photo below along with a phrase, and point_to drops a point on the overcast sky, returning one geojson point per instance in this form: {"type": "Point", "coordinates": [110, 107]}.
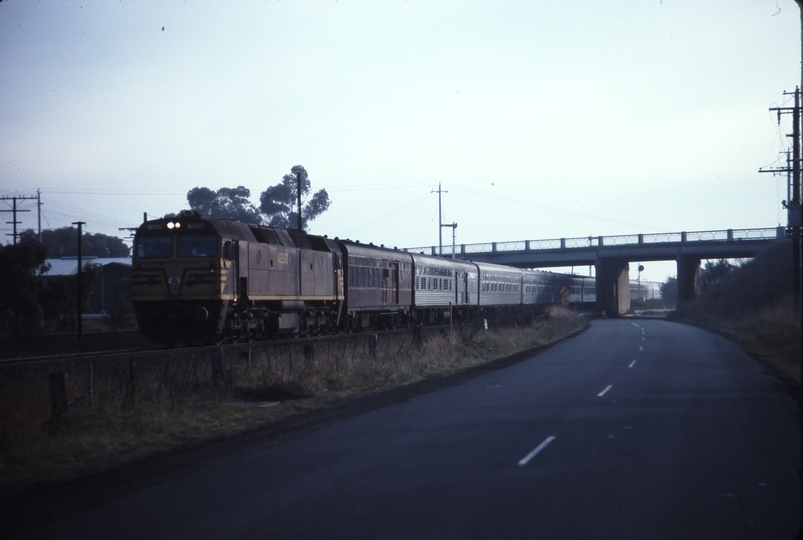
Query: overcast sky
{"type": "Point", "coordinates": [542, 119]}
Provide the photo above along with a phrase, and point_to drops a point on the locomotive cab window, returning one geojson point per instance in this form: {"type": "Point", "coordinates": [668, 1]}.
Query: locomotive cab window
{"type": "Point", "coordinates": [154, 247]}
{"type": "Point", "coordinates": [227, 252]}
{"type": "Point", "coordinates": [197, 246]}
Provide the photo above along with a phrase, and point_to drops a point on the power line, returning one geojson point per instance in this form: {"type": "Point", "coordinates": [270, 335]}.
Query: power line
{"type": "Point", "coordinates": [14, 209]}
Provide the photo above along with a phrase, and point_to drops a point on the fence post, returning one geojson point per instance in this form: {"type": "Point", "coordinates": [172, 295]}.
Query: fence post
{"type": "Point", "coordinates": [217, 365]}
{"type": "Point", "coordinates": [309, 353]}
{"type": "Point", "coordinates": [132, 382]}
{"type": "Point", "coordinates": [372, 345]}
{"type": "Point", "coordinates": [58, 393]}
{"type": "Point", "coordinates": [91, 383]}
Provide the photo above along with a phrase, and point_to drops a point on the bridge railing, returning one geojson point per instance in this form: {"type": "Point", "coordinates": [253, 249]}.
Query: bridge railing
{"type": "Point", "coordinates": [585, 242]}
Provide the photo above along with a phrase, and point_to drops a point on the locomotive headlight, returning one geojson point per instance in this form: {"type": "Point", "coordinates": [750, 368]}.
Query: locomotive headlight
{"type": "Point", "coordinates": [178, 225]}
{"type": "Point", "coordinates": [170, 225]}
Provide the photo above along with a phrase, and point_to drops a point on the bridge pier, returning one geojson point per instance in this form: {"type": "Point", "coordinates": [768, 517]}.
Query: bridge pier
{"type": "Point", "coordinates": [613, 285]}
{"type": "Point", "coordinates": [688, 278]}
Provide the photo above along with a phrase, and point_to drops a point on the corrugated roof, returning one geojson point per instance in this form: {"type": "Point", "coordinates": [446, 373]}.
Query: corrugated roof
{"type": "Point", "coordinates": [69, 266]}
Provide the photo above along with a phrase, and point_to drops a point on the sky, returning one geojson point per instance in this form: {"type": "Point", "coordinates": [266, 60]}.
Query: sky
{"type": "Point", "coordinates": [539, 119]}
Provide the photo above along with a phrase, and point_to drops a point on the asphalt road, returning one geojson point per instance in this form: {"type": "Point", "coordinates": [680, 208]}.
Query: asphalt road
{"type": "Point", "coordinates": [635, 429]}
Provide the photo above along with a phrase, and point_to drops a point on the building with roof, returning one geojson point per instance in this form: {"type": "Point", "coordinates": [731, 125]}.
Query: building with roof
{"type": "Point", "coordinates": [111, 292]}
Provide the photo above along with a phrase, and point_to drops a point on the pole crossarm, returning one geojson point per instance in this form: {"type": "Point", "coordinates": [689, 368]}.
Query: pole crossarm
{"type": "Point", "coordinates": [15, 210]}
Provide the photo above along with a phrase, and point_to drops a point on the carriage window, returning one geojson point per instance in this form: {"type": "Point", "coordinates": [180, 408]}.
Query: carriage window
{"type": "Point", "coordinates": [154, 247]}
{"type": "Point", "coordinates": [197, 246]}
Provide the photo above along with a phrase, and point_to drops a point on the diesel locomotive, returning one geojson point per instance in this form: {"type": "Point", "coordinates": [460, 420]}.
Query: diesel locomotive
{"type": "Point", "coordinates": [197, 280]}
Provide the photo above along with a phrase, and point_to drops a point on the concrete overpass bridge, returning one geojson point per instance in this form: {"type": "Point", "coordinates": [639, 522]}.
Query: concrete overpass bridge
{"type": "Point", "coordinates": [612, 255]}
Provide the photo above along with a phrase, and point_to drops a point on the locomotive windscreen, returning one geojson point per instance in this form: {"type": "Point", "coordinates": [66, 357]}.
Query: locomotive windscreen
{"type": "Point", "coordinates": [197, 246]}
{"type": "Point", "coordinates": [154, 247]}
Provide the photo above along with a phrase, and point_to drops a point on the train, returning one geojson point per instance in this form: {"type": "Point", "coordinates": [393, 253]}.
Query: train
{"type": "Point", "coordinates": [197, 280]}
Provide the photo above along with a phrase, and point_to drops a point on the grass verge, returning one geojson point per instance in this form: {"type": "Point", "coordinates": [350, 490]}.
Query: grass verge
{"type": "Point", "coordinates": [33, 454]}
{"type": "Point", "coordinates": [772, 334]}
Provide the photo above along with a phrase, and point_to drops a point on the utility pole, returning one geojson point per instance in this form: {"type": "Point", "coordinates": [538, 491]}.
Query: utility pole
{"type": "Point", "coordinates": [39, 213]}
{"type": "Point", "coordinates": [80, 285]}
{"type": "Point", "coordinates": [15, 210]}
{"type": "Point", "coordinates": [298, 177]}
{"type": "Point", "coordinates": [793, 202]}
{"type": "Point", "coordinates": [440, 219]}
{"type": "Point", "coordinates": [301, 176]}
{"type": "Point", "coordinates": [453, 226]}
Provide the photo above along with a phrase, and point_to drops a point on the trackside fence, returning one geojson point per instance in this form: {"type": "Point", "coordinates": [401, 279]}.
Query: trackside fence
{"type": "Point", "coordinates": [34, 394]}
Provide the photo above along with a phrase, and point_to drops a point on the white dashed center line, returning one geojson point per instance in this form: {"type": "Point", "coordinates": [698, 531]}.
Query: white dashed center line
{"type": "Point", "coordinates": [605, 391]}
{"type": "Point", "coordinates": [633, 363]}
{"type": "Point", "coordinates": [534, 453]}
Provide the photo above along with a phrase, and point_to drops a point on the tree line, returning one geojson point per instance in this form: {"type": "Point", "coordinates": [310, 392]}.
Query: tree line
{"type": "Point", "coordinates": [277, 204]}
{"type": "Point", "coordinates": [29, 304]}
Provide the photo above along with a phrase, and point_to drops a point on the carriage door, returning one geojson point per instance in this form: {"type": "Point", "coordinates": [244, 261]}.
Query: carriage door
{"type": "Point", "coordinates": [395, 281]}
{"type": "Point", "coordinates": [241, 272]}
{"type": "Point", "coordinates": [234, 275]}
{"type": "Point", "coordinates": [465, 287]}
{"type": "Point", "coordinates": [385, 285]}
{"type": "Point", "coordinates": [458, 294]}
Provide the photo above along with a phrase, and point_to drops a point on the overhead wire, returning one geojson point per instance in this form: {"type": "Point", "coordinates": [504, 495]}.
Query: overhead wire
{"type": "Point", "coordinates": [522, 202]}
{"type": "Point", "coordinates": [385, 216]}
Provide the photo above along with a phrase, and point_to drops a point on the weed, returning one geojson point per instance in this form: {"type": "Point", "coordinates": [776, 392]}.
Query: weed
{"type": "Point", "coordinates": [126, 410]}
{"type": "Point", "coordinates": [753, 306]}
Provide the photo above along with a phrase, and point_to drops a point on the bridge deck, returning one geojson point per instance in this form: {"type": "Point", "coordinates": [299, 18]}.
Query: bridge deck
{"type": "Point", "coordinates": [716, 244]}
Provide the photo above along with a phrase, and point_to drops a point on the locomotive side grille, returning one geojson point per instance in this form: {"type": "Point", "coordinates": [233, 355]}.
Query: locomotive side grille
{"type": "Point", "coordinates": [265, 236]}
{"type": "Point", "coordinates": [301, 240]}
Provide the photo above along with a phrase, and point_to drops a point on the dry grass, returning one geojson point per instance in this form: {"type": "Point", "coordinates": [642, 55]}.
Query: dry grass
{"type": "Point", "coordinates": [753, 306]}
{"type": "Point", "coordinates": [143, 407]}
{"type": "Point", "coordinates": [772, 333]}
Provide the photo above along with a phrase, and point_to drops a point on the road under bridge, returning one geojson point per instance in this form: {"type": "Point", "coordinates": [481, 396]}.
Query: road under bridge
{"type": "Point", "coordinates": [612, 255]}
